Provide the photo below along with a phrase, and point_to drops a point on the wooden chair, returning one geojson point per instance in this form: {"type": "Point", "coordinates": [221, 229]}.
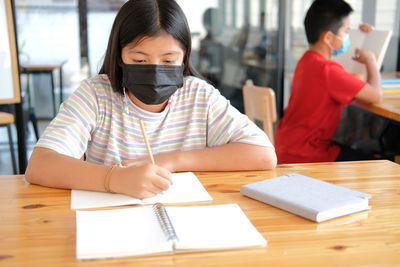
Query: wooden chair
{"type": "Point", "coordinates": [6, 119]}
{"type": "Point", "coordinates": [260, 107]}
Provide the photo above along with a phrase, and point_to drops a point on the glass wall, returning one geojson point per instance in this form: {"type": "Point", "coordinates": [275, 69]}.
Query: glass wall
{"type": "Point", "coordinates": [48, 32]}
{"type": "Point", "coordinates": [296, 42]}
{"type": "Point", "coordinates": [100, 17]}
{"type": "Point", "coordinates": [233, 40]}
{"type": "Point", "coordinates": [382, 14]}
{"type": "Point", "coordinates": [388, 18]}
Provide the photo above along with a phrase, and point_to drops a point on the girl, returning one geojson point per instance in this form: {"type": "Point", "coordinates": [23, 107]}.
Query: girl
{"type": "Point", "coordinates": [146, 75]}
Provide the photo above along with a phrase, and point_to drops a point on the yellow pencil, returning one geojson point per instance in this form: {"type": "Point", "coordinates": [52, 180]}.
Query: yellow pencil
{"type": "Point", "coordinates": [146, 141]}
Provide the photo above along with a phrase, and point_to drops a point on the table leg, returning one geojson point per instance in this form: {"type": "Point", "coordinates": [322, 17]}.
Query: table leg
{"type": "Point", "coordinates": [21, 127]}
{"type": "Point", "coordinates": [61, 86]}
{"type": "Point", "coordinates": [10, 140]}
{"type": "Point", "coordinates": [32, 118]}
{"type": "Point", "coordinates": [28, 90]}
{"type": "Point", "coordinates": [53, 94]}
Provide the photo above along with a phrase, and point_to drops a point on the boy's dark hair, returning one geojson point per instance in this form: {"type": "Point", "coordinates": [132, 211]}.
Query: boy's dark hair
{"type": "Point", "coordinates": [325, 15]}
{"type": "Point", "coordinates": [142, 18]}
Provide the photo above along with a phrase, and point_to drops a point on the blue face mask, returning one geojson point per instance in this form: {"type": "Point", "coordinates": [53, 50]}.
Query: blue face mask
{"type": "Point", "coordinates": [345, 45]}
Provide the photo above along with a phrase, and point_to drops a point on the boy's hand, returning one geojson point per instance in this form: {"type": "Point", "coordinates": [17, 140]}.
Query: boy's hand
{"type": "Point", "coordinates": [364, 27]}
{"type": "Point", "coordinates": [364, 56]}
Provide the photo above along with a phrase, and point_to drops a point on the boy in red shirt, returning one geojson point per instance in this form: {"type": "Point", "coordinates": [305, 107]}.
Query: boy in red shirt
{"type": "Point", "coordinates": [321, 88]}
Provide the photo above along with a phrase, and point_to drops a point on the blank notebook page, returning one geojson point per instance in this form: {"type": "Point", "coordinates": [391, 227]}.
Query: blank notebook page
{"type": "Point", "coordinates": [213, 227]}
{"type": "Point", "coordinates": [120, 232]}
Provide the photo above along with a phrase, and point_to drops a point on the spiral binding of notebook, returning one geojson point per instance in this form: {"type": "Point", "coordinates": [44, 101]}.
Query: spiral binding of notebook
{"type": "Point", "coordinates": [165, 222]}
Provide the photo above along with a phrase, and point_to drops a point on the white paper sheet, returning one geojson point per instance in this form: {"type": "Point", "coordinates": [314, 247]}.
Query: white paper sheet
{"type": "Point", "coordinates": [186, 188]}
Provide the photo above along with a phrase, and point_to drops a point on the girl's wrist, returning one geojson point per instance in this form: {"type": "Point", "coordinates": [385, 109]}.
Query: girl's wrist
{"type": "Point", "coordinates": [176, 161]}
{"type": "Point", "coordinates": [107, 179]}
{"type": "Point", "coordinates": [171, 161]}
{"type": "Point", "coordinates": [115, 176]}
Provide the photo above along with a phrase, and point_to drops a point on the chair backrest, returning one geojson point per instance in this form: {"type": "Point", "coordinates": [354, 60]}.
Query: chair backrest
{"type": "Point", "coordinates": [260, 106]}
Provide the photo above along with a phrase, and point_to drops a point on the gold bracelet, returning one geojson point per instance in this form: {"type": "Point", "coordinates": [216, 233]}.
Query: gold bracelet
{"type": "Point", "coordinates": [119, 164]}
{"type": "Point", "coordinates": [107, 179]}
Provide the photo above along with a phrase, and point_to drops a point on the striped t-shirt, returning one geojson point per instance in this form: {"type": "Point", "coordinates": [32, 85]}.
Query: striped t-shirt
{"type": "Point", "coordinates": [93, 121]}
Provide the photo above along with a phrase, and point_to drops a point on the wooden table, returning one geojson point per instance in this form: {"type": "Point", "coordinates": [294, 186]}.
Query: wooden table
{"type": "Point", "coordinates": [37, 227]}
{"type": "Point", "coordinates": [389, 107]}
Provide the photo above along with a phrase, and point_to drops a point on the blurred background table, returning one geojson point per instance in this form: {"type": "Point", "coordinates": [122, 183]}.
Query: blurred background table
{"type": "Point", "coordinates": [44, 67]}
{"type": "Point", "coordinates": [390, 106]}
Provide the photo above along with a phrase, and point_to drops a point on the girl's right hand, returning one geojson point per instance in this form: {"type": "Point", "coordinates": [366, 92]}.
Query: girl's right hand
{"type": "Point", "coordinates": [142, 181]}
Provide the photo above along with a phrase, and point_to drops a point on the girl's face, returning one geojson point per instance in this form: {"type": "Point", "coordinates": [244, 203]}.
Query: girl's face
{"type": "Point", "coordinates": [158, 50]}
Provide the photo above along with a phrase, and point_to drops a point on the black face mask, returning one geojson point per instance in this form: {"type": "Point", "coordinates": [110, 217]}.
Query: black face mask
{"type": "Point", "coordinates": [152, 84]}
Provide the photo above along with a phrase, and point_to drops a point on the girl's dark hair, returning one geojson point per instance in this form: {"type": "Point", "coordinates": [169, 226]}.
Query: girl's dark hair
{"type": "Point", "coordinates": [145, 18]}
{"type": "Point", "coordinates": [325, 15]}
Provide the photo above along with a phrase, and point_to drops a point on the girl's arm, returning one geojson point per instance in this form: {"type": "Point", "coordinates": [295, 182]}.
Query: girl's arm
{"type": "Point", "coordinates": [228, 157]}
{"type": "Point", "coordinates": [49, 168]}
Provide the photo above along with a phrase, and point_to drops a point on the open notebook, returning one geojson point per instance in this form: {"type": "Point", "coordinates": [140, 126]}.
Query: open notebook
{"type": "Point", "coordinates": [186, 188]}
{"type": "Point", "coordinates": [377, 41]}
{"type": "Point", "coordinates": [154, 230]}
